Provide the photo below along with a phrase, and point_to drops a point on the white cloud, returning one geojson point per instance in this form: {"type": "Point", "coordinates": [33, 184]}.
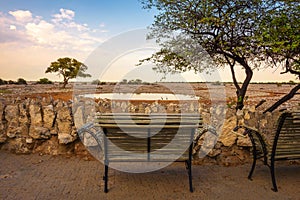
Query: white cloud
{"type": "Point", "coordinates": [102, 25]}
{"type": "Point", "coordinates": [12, 27]}
{"type": "Point", "coordinates": [79, 27]}
{"type": "Point", "coordinates": [64, 14]}
{"type": "Point", "coordinates": [21, 15]}
{"type": "Point", "coordinates": [61, 33]}
{"type": "Point", "coordinates": [29, 38]}
{"type": "Point", "coordinates": [40, 31]}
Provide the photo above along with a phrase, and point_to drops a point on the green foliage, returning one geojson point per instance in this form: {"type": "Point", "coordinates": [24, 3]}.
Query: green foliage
{"type": "Point", "coordinates": [240, 33]}
{"type": "Point", "coordinates": [4, 91]}
{"type": "Point", "coordinates": [223, 28]}
{"type": "Point", "coordinates": [136, 81]}
{"type": "Point", "coordinates": [11, 82]}
{"type": "Point", "coordinates": [233, 101]}
{"type": "Point", "coordinates": [217, 83]}
{"type": "Point", "coordinates": [3, 82]}
{"type": "Point", "coordinates": [96, 82]}
{"type": "Point", "coordinates": [44, 81]}
{"type": "Point", "coordinates": [279, 35]}
{"type": "Point", "coordinates": [69, 68]}
{"type": "Point", "coordinates": [132, 82]}
{"type": "Point", "coordinates": [191, 32]}
{"type": "Point", "coordinates": [124, 81]}
{"type": "Point", "coordinates": [291, 82]}
{"type": "Point", "coordinates": [21, 81]}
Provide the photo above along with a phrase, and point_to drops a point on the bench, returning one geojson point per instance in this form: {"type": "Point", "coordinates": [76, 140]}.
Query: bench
{"type": "Point", "coordinates": [145, 138]}
{"type": "Point", "coordinates": [285, 143]}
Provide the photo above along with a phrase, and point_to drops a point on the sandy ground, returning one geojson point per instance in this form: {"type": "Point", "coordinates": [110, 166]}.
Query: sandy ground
{"type": "Point", "coordinates": [206, 91]}
{"type": "Point", "coordinates": [47, 177]}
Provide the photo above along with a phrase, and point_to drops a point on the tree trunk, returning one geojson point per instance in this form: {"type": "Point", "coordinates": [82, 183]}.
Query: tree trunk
{"type": "Point", "coordinates": [287, 97]}
{"type": "Point", "coordinates": [240, 91]}
{"type": "Point", "coordinates": [65, 82]}
{"type": "Point", "coordinates": [240, 99]}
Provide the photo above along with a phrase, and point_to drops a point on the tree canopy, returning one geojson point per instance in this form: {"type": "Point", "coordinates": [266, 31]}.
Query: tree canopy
{"type": "Point", "coordinates": [69, 68]}
{"type": "Point", "coordinates": [280, 38]}
{"type": "Point", "coordinates": [228, 30]}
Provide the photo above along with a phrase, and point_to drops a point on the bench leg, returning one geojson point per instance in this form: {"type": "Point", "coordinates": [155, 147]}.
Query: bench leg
{"type": "Point", "coordinates": [252, 167]}
{"type": "Point", "coordinates": [189, 168]}
{"type": "Point", "coordinates": [254, 156]}
{"type": "Point", "coordinates": [272, 168]}
{"type": "Point", "coordinates": [105, 178]}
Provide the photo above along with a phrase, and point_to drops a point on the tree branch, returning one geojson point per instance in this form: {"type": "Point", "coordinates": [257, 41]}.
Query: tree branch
{"type": "Point", "coordinates": [235, 82]}
{"type": "Point", "coordinates": [287, 97]}
{"type": "Point", "coordinates": [288, 69]}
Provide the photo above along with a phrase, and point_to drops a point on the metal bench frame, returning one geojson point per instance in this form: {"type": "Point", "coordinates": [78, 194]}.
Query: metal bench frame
{"type": "Point", "coordinates": [285, 145]}
{"type": "Point", "coordinates": [105, 124]}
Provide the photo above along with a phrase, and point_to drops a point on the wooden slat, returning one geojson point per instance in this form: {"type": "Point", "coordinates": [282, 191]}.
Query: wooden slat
{"type": "Point", "coordinates": [148, 126]}
{"type": "Point", "coordinates": [288, 144]}
{"type": "Point", "coordinates": [128, 135]}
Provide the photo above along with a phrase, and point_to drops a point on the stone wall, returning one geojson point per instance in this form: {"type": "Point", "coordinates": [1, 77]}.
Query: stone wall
{"type": "Point", "coordinates": [48, 126]}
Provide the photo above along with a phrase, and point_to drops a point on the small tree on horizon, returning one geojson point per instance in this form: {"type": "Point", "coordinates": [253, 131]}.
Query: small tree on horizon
{"type": "Point", "coordinates": [21, 81]}
{"type": "Point", "coordinates": [69, 68]}
{"type": "Point", "coordinates": [44, 81]}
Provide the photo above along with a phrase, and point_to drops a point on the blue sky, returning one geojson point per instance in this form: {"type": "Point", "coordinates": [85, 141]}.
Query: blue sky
{"type": "Point", "coordinates": [34, 33]}
{"type": "Point", "coordinates": [116, 14]}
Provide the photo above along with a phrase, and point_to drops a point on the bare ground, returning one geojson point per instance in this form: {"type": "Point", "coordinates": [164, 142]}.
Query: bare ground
{"type": "Point", "coordinates": [48, 177]}
{"type": "Point", "coordinates": [206, 91]}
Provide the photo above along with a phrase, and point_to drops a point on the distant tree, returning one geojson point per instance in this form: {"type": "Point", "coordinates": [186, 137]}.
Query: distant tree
{"type": "Point", "coordinates": [138, 81]}
{"type": "Point", "coordinates": [131, 82]}
{"type": "Point", "coordinates": [21, 81]}
{"type": "Point", "coordinates": [44, 81]}
{"type": "Point", "coordinates": [96, 82]}
{"type": "Point", "coordinates": [69, 68]}
{"type": "Point", "coordinates": [2, 82]}
{"type": "Point", "coordinates": [225, 29]}
{"type": "Point", "coordinates": [124, 81]}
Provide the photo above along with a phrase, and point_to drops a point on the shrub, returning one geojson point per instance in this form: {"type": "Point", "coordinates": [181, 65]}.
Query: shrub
{"type": "Point", "coordinates": [21, 81]}
{"type": "Point", "coordinates": [44, 81]}
{"type": "Point", "coordinates": [136, 81]}
{"type": "Point", "coordinates": [3, 82]}
{"type": "Point", "coordinates": [291, 82]}
{"type": "Point", "coordinates": [96, 82]}
{"type": "Point", "coordinates": [124, 81]}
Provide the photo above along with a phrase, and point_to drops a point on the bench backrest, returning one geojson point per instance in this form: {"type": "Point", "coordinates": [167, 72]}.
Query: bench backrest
{"type": "Point", "coordinates": [286, 144]}
{"type": "Point", "coordinates": [155, 137]}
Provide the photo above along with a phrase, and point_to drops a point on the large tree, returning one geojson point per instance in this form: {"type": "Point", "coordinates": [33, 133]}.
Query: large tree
{"type": "Point", "coordinates": [69, 68]}
{"type": "Point", "coordinates": [226, 29]}
{"type": "Point", "coordinates": [280, 38]}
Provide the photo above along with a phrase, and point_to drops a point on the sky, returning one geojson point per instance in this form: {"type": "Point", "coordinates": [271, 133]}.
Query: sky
{"type": "Point", "coordinates": [34, 33]}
